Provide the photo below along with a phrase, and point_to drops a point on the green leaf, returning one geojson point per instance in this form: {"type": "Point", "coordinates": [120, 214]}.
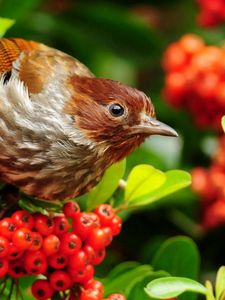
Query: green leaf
{"type": "Point", "coordinates": [220, 283]}
{"type": "Point", "coordinates": [36, 205]}
{"type": "Point", "coordinates": [137, 279]}
{"type": "Point", "coordinates": [223, 123]}
{"type": "Point", "coordinates": [5, 24]}
{"type": "Point", "coordinates": [169, 287]}
{"type": "Point", "coordinates": [120, 283]}
{"type": "Point", "coordinates": [209, 293]}
{"type": "Point", "coordinates": [107, 186]}
{"type": "Point", "coordinates": [142, 180]}
{"type": "Point", "coordinates": [136, 290]}
{"type": "Point", "coordinates": [175, 180]}
{"type": "Point", "coordinates": [121, 269]}
{"type": "Point", "coordinates": [178, 256]}
{"type": "Point", "coordinates": [26, 282]}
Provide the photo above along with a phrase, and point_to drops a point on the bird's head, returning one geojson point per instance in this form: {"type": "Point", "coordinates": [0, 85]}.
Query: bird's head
{"type": "Point", "coordinates": [113, 115]}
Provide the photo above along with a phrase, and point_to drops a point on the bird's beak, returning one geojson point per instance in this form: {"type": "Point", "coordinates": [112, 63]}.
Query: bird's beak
{"type": "Point", "coordinates": [150, 126]}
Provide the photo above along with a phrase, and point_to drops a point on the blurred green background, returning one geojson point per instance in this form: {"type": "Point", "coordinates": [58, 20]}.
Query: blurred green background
{"type": "Point", "coordinates": [125, 40]}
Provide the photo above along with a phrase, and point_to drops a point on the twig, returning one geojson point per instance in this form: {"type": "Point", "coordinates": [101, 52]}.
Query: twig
{"type": "Point", "coordinates": [3, 286]}
{"type": "Point", "coordinates": [11, 290]}
{"type": "Point", "coordinates": [18, 291]}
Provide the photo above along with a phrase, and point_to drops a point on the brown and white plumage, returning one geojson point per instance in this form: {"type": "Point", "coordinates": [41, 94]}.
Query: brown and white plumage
{"type": "Point", "coordinates": [57, 135]}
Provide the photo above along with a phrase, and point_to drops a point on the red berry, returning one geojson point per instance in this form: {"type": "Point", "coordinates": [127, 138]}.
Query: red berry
{"type": "Point", "coordinates": [61, 225]}
{"type": "Point", "coordinates": [16, 269]}
{"type": "Point", "coordinates": [60, 280]}
{"type": "Point", "coordinates": [41, 289]}
{"type": "Point", "coordinates": [78, 261]}
{"type": "Point", "coordinates": [35, 262]}
{"type": "Point", "coordinates": [90, 295]}
{"type": "Point", "coordinates": [108, 235]}
{"type": "Point", "coordinates": [70, 243]}
{"type": "Point", "coordinates": [3, 267]}
{"type": "Point", "coordinates": [117, 297]}
{"type": "Point", "coordinates": [82, 276]}
{"type": "Point", "coordinates": [207, 86]}
{"type": "Point", "coordinates": [22, 238]}
{"type": "Point", "coordinates": [58, 260]}
{"type": "Point", "coordinates": [95, 218]}
{"type": "Point", "coordinates": [83, 224]}
{"type": "Point", "coordinates": [90, 252]}
{"type": "Point", "coordinates": [94, 285]}
{"type": "Point", "coordinates": [37, 241]}
{"type": "Point", "coordinates": [70, 209]}
{"type": "Point", "coordinates": [116, 225]}
{"type": "Point", "coordinates": [97, 238]}
{"type": "Point", "coordinates": [4, 247]}
{"type": "Point", "coordinates": [23, 219]}
{"type": "Point", "coordinates": [105, 213]}
{"type": "Point", "coordinates": [43, 224]}
{"type": "Point", "coordinates": [208, 59]}
{"type": "Point", "coordinates": [51, 244]}
{"type": "Point", "coordinates": [176, 85]}
{"type": "Point", "coordinates": [221, 94]}
{"type": "Point", "coordinates": [14, 252]}
{"type": "Point", "coordinates": [7, 228]}
{"type": "Point", "coordinates": [174, 59]}
{"type": "Point", "coordinates": [99, 256]}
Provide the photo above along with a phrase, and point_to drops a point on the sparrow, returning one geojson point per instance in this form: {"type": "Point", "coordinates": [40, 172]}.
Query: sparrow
{"type": "Point", "coordinates": [60, 126]}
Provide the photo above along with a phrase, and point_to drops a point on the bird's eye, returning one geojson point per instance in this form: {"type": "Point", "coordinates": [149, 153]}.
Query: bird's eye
{"type": "Point", "coordinates": [116, 110]}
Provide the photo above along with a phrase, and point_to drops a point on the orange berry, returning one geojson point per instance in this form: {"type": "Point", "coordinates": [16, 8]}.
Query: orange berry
{"type": "Point", "coordinates": [176, 83]}
{"type": "Point", "coordinates": [206, 87]}
{"type": "Point", "coordinates": [191, 43]}
{"type": "Point", "coordinates": [208, 59]}
{"type": "Point", "coordinates": [174, 59]}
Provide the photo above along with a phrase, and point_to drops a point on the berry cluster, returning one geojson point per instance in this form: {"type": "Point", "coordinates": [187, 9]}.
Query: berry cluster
{"type": "Point", "coordinates": [211, 13]}
{"type": "Point", "coordinates": [194, 80]}
{"type": "Point", "coordinates": [64, 252]}
{"type": "Point", "coordinates": [210, 185]}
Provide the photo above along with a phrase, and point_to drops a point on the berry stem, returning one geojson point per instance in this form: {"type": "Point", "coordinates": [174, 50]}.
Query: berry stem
{"type": "Point", "coordinates": [19, 295]}
{"type": "Point", "coordinates": [11, 289]}
{"type": "Point", "coordinates": [122, 207]}
{"type": "Point", "coordinates": [186, 224]}
{"type": "Point", "coordinates": [3, 285]}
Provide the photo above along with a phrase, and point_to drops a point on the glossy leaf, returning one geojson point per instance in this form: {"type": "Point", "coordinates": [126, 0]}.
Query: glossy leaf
{"type": "Point", "coordinates": [130, 285]}
{"type": "Point", "coordinates": [178, 256]}
{"type": "Point", "coordinates": [107, 186]}
{"type": "Point", "coordinates": [120, 283]}
{"type": "Point", "coordinates": [169, 287]}
{"type": "Point", "coordinates": [220, 283]}
{"type": "Point", "coordinates": [136, 289]}
{"type": "Point", "coordinates": [174, 181]}
{"type": "Point", "coordinates": [142, 180]}
{"type": "Point", "coordinates": [5, 24]}
{"type": "Point", "coordinates": [209, 293]}
{"type": "Point", "coordinates": [121, 269]}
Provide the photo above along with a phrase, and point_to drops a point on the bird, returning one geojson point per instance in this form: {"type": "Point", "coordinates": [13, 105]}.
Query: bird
{"type": "Point", "coordinates": [60, 126]}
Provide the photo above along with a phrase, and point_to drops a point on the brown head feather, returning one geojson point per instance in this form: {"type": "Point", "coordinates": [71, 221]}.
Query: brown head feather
{"type": "Point", "coordinates": [90, 108]}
